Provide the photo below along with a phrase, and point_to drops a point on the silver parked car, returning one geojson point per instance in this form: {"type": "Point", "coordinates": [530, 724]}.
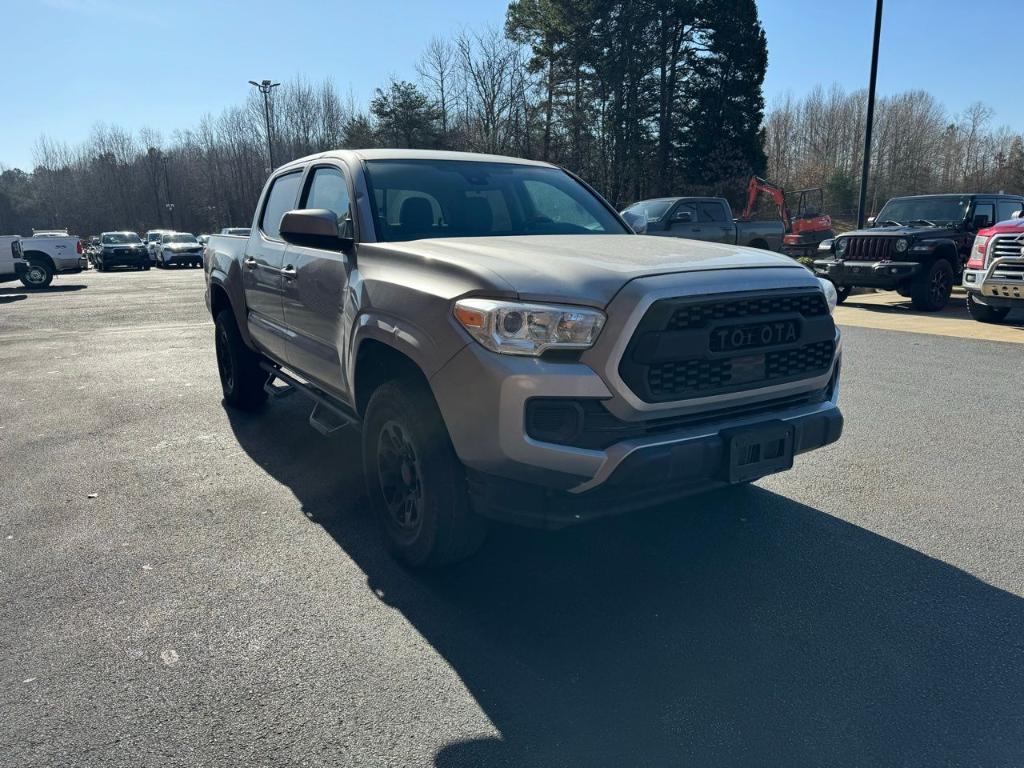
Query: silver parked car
{"type": "Point", "coordinates": [178, 248]}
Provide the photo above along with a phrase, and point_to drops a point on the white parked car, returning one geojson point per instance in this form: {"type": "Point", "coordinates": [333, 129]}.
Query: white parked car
{"type": "Point", "coordinates": [47, 253]}
{"type": "Point", "coordinates": [178, 248]}
{"type": "Point", "coordinates": [152, 241]}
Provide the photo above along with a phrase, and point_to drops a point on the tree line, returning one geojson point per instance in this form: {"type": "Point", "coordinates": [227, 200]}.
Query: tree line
{"type": "Point", "coordinates": [918, 147]}
{"type": "Point", "coordinates": [640, 97]}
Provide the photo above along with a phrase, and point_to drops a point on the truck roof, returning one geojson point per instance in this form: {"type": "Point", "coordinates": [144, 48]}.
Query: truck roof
{"type": "Point", "coordinates": [415, 154]}
{"type": "Point", "coordinates": [961, 194]}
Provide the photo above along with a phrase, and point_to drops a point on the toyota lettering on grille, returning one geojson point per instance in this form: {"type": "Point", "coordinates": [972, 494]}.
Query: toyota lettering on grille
{"type": "Point", "coordinates": [754, 336]}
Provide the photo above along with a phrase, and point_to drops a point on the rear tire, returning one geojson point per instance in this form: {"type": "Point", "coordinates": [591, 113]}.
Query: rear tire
{"type": "Point", "coordinates": [983, 313]}
{"type": "Point", "coordinates": [241, 377]}
{"type": "Point", "coordinates": [415, 482]}
{"type": "Point", "coordinates": [842, 294]}
{"type": "Point", "coordinates": [38, 275]}
{"type": "Point", "coordinates": [931, 291]}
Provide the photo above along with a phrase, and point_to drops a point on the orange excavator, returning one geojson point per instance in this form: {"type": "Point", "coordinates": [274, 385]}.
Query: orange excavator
{"type": "Point", "coordinates": [804, 229]}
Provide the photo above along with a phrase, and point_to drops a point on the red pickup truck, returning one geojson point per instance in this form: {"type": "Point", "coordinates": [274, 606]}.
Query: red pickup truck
{"type": "Point", "coordinates": [994, 274]}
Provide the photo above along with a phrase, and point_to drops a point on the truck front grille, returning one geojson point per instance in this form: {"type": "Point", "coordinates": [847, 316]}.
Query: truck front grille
{"type": "Point", "coordinates": [870, 248]}
{"type": "Point", "coordinates": [1004, 246]}
{"type": "Point", "coordinates": [672, 355]}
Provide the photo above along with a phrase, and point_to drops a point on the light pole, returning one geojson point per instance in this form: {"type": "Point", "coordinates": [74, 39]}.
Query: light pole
{"type": "Point", "coordinates": [264, 88]}
{"type": "Point", "coordinates": [170, 212]}
{"type": "Point", "coordinates": [870, 118]}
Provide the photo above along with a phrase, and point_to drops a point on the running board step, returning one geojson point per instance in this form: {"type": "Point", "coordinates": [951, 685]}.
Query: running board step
{"type": "Point", "coordinates": [326, 417]}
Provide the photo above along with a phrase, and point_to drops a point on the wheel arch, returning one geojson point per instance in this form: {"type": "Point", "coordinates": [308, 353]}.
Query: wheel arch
{"type": "Point", "coordinates": [377, 362]}
{"type": "Point", "coordinates": [40, 256]}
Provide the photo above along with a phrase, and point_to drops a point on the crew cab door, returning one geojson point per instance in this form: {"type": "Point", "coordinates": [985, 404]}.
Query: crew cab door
{"type": "Point", "coordinates": [316, 285]}
{"type": "Point", "coordinates": [681, 221]}
{"type": "Point", "coordinates": [261, 267]}
{"type": "Point", "coordinates": [715, 222]}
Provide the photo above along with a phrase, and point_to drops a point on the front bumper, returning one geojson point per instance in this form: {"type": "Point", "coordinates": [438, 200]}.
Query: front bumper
{"type": "Point", "coordinates": [121, 260]}
{"type": "Point", "coordinates": [483, 399]}
{"type": "Point", "coordinates": [871, 274]}
{"type": "Point", "coordinates": [994, 289]}
{"type": "Point", "coordinates": [183, 258]}
{"type": "Point", "coordinates": [676, 467]}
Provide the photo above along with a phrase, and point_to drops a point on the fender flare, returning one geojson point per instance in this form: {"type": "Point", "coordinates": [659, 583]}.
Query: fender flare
{"type": "Point", "coordinates": [400, 335]}
{"type": "Point", "coordinates": [220, 280]}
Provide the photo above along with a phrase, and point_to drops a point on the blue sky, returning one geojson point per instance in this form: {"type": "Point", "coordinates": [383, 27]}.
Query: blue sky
{"type": "Point", "coordinates": [68, 64]}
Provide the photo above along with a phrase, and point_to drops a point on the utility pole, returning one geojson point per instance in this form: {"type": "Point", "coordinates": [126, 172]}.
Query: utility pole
{"type": "Point", "coordinates": [264, 88]}
{"type": "Point", "coordinates": [869, 123]}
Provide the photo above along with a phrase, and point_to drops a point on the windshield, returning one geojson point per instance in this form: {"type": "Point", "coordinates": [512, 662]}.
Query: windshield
{"type": "Point", "coordinates": [652, 209]}
{"type": "Point", "coordinates": [944, 210]}
{"type": "Point", "coordinates": [417, 199]}
{"type": "Point", "coordinates": [180, 237]}
{"type": "Point", "coordinates": [120, 238]}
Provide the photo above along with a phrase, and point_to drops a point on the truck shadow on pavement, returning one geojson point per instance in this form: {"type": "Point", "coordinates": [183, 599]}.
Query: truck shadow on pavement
{"type": "Point", "coordinates": [742, 628]}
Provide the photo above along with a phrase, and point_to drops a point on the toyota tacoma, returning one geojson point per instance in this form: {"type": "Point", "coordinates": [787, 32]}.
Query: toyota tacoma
{"type": "Point", "coordinates": [508, 348]}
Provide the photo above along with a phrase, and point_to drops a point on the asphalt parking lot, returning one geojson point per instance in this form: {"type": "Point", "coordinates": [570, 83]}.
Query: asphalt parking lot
{"type": "Point", "coordinates": [187, 586]}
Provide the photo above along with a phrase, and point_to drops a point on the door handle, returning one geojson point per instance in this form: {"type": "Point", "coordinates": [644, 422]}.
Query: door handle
{"type": "Point", "coordinates": [289, 272]}
{"type": "Point", "coordinates": [250, 262]}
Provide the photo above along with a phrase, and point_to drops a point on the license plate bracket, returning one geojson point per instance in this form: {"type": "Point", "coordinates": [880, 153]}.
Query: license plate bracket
{"type": "Point", "coordinates": [760, 450]}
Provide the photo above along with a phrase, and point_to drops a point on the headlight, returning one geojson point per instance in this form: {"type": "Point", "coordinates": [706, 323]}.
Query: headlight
{"type": "Point", "coordinates": [902, 244]}
{"type": "Point", "coordinates": [830, 294]}
{"type": "Point", "coordinates": [841, 246]}
{"type": "Point", "coordinates": [513, 328]}
{"type": "Point", "coordinates": [826, 245]}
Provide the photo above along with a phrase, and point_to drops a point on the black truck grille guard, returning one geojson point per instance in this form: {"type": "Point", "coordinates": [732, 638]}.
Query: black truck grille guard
{"type": "Point", "coordinates": [672, 357]}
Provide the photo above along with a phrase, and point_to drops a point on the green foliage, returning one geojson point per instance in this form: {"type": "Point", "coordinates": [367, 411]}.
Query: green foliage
{"type": "Point", "coordinates": [405, 116]}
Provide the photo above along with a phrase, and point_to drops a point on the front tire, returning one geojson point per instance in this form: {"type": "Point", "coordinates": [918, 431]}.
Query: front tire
{"type": "Point", "coordinates": [842, 294]}
{"type": "Point", "coordinates": [241, 377]}
{"type": "Point", "coordinates": [38, 275]}
{"type": "Point", "coordinates": [983, 313]}
{"type": "Point", "coordinates": [416, 483]}
{"type": "Point", "coordinates": [931, 292]}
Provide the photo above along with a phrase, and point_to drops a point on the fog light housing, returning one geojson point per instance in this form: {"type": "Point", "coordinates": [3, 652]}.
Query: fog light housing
{"type": "Point", "coordinates": [553, 420]}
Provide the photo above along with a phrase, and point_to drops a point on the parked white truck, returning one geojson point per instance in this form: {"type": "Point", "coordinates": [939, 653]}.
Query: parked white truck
{"type": "Point", "coordinates": [10, 256]}
{"type": "Point", "coordinates": [48, 253]}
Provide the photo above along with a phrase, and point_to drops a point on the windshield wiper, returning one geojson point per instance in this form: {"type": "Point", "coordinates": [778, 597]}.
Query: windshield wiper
{"type": "Point", "coordinates": [923, 221]}
{"type": "Point", "coordinates": [887, 222]}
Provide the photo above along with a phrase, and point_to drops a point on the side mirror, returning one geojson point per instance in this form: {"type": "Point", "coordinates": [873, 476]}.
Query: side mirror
{"type": "Point", "coordinates": [636, 221]}
{"type": "Point", "coordinates": [980, 222]}
{"type": "Point", "coordinates": [871, 221]}
{"type": "Point", "coordinates": [682, 216]}
{"type": "Point", "coordinates": [314, 228]}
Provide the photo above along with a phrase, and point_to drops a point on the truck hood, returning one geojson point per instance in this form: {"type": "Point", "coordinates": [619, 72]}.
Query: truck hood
{"type": "Point", "coordinates": [905, 231]}
{"type": "Point", "coordinates": [583, 269]}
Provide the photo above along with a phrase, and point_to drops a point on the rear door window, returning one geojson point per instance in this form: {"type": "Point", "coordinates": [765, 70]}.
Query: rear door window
{"type": "Point", "coordinates": [280, 200]}
{"type": "Point", "coordinates": [1007, 208]}
{"type": "Point", "coordinates": [712, 211]}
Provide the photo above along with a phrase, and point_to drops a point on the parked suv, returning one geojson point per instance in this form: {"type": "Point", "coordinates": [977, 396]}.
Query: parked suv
{"type": "Point", "coordinates": [178, 248]}
{"type": "Point", "coordinates": [510, 349]}
{"type": "Point", "coordinates": [121, 249]}
{"type": "Point", "coordinates": [916, 246]}
{"type": "Point", "coordinates": [994, 277]}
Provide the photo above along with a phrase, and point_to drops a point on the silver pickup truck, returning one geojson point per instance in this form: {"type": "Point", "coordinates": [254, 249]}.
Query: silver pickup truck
{"type": "Point", "coordinates": [508, 348]}
{"type": "Point", "coordinates": [705, 218]}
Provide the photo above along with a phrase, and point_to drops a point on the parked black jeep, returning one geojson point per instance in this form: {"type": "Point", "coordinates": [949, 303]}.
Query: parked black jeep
{"type": "Point", "coordinates": [916, 245]}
